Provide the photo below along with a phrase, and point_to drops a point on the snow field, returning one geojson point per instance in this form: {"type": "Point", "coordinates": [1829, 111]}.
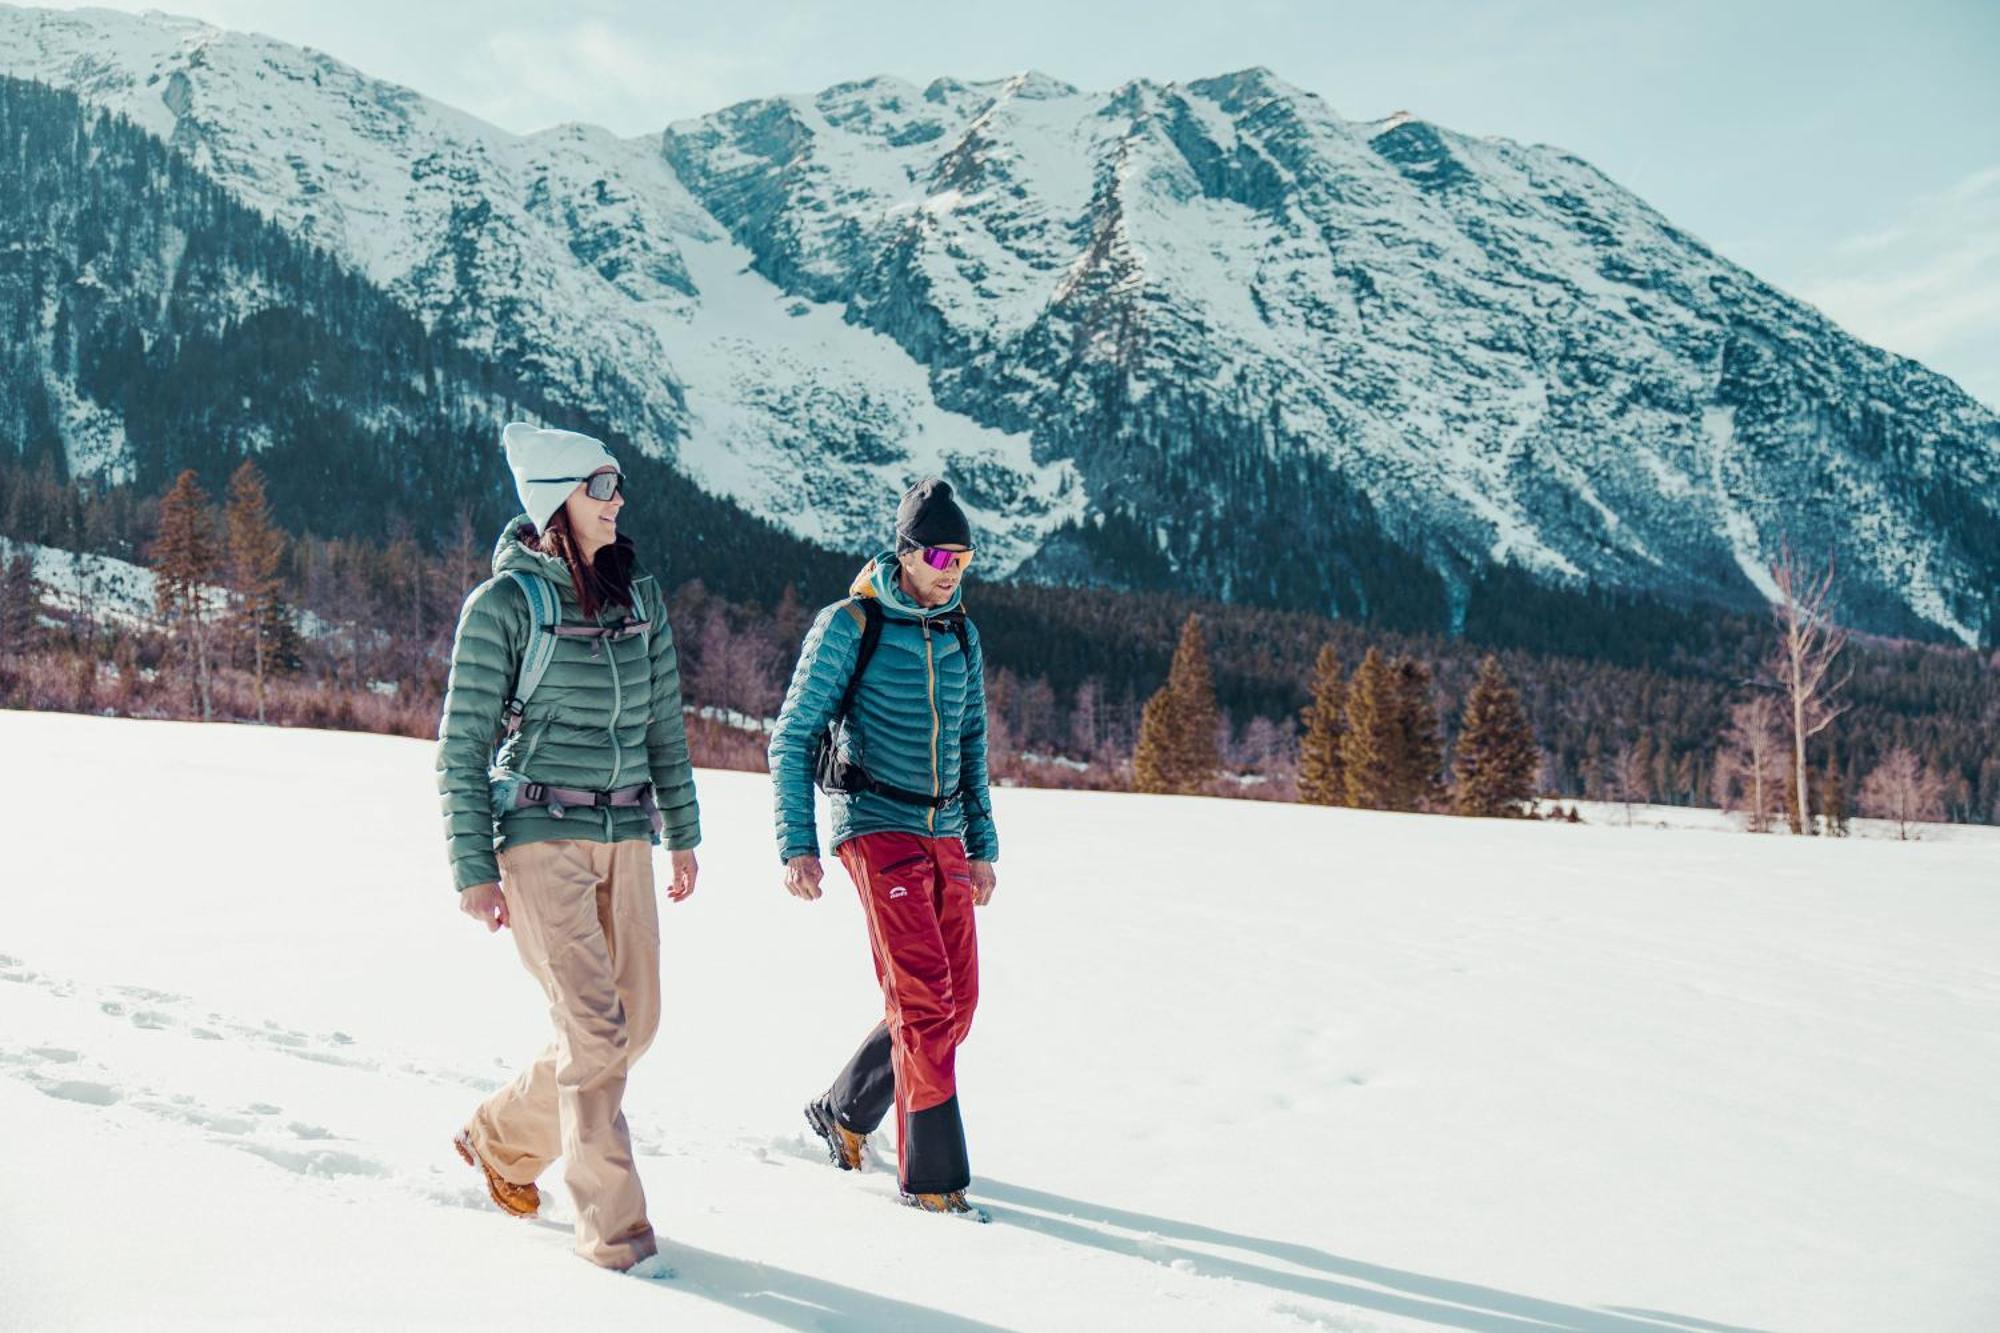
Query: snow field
{"type": "Point", "coordinates": [1236, 1066]}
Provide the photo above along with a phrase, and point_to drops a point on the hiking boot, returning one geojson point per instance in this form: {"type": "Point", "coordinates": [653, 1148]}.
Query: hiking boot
{"type": "Point", "coordinates": [953, 1203]}
{"type": "Point", "coordinates": [514, 1200]}
{"type": "Point", "coordinates": [843, 1145]}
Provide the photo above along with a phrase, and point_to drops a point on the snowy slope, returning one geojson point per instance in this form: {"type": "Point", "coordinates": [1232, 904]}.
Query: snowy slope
{"type": "Point", "coordinates": [574, 256]}
{"type": "Point", "coordinates": [1214, 294]}
{"type": "Point", "coordinates": [1236, 1066]}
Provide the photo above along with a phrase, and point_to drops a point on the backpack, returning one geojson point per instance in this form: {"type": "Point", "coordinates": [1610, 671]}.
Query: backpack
{"type": "Point", "coordinates": [545, 613]}
{"type": "Point", "coordinates": [546, 628]}
{"type": "Point", "coordinates": [835, 773]}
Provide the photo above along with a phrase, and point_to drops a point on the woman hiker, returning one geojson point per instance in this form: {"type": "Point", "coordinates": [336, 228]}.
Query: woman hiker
{"type": "Point", "coordinates": [564, 658]}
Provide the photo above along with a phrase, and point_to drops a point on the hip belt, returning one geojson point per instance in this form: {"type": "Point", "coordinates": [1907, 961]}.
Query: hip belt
{"type": "Point", "coordinates": [561, 800]}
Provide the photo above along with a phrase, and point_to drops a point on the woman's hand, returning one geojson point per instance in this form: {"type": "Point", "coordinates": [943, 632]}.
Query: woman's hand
{"type": "Point", "coordinates": [802, 877]}
{"type": "Point", "coordinates": [484, 902]}
{"type": "Point", "coordinates": [685, 870]}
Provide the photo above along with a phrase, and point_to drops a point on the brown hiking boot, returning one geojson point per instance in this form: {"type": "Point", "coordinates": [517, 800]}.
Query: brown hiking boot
{"type": "Point", "coordinates": [514, 1200]}
{"type": "Point", "coordinates": [843, 1145]}
{"type": "Point", "coordinates": [953, 1203]}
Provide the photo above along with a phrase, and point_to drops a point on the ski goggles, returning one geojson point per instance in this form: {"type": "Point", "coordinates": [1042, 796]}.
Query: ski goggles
{"type": "Point", "coordinates": [940, 558]}
{"type": "Point", "coordinates": [598, 485]}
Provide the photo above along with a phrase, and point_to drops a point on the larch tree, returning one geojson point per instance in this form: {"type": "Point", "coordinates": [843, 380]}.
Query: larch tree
{"type": "Point", "coordinates": [1322, 776]}
{"type": "Point", "coordinates": [1177, 749]}
{"type": "Point", "coordinates": [1496, 761]}
{"type": "Point", "coordinates": [1419, 763]}
{"type": "Point", "coordinates": [184, 560]}
{"type": "Point", "coordinates": [1802, 661]}
{"type": "Point", "coordinates": [255, 548]}
{"type": "Point", "coordinates": [20, 603]}
{"type": "Point", "coordinates": [1369, 746]}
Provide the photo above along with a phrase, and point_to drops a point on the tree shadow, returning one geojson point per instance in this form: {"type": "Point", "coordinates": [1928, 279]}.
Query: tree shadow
{"type": "Point", "coordinates": [795, 1300]}
{"type": "Point", "coordinates": [1441, 1301]}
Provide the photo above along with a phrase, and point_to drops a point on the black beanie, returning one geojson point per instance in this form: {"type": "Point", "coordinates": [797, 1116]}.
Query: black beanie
{"type": "Point", "coordinates": [928, 516]}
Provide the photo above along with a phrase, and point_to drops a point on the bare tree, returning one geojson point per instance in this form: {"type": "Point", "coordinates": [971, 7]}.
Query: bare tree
{"type": "Point", "coordinates": [1632, 774]}
{"type": "Point", "coordinates": [253, 547]}
{"type": "Point", "coordinates": [1903, 788]}
{"type": "Point", "coordinates": [1086, 728]}
{"type": "Point", "coordinates": [1808, 643]}
{"type": "Point", "coordinates": [1751, 763]}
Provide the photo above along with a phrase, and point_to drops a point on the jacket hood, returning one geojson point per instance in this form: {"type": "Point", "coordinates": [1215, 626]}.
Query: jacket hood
{"type": "Point", "coordinates": [879, 579]}
{"type": "Point", "coordinates": [510, 553]}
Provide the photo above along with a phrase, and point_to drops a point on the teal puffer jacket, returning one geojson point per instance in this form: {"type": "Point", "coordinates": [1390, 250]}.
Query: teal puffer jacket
{"type": "Point", "coordinates": [918, 722]}
{"type": "Point", "coordinates": [607, 715]}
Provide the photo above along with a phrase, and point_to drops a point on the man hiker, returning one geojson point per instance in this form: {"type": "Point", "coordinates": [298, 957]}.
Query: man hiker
{"type": "Point", "coordinates": [887, 713]}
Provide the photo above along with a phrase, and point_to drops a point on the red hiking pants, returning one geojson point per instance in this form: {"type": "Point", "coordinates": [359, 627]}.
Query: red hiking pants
{"type": "Point", "coordinates": [917, 894]}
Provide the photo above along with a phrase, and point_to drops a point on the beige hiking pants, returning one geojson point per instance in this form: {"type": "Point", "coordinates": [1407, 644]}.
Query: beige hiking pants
{"type": "Point", "coordinates": [584, 919]}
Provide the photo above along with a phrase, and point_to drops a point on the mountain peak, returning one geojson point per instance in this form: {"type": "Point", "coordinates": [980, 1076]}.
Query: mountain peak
{"type": "Point", "coordinates": [1034, 86]}
{"type": "Point", "coordinates": [1244, 88]}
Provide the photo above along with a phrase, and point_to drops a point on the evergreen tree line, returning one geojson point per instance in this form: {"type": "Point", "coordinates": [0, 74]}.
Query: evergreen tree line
{"type": "Point", "coordinates": [1071, 670]}
{"type": "Point", "coordinates": [1373, 742]}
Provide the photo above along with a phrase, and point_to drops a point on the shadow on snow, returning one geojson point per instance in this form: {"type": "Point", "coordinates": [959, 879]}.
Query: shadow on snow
{"type": "Point", "coordinates": [1434, 1300]}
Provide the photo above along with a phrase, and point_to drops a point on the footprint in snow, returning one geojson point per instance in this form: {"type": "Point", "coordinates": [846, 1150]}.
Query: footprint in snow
{"type": "Point", "coordinates": [81, 1090]}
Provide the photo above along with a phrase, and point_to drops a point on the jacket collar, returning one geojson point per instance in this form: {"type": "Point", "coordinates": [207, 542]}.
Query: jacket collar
{"type": "Point", "coordinates": [880, 579]}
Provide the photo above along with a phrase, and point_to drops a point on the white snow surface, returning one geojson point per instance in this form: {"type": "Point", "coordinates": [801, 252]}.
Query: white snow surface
{"type": "Point", "coordinates": [1236, 1066]}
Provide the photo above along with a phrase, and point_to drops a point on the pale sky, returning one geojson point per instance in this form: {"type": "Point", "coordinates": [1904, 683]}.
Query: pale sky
{"type": "Point", "coordinates": [1846, 150]}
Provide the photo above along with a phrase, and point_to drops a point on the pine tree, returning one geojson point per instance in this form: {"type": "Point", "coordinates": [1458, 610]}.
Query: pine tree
{"type": "Point", "coordinates": [1497, 758]}
{"type": "Point", "coordinates": [1369, 747]}
{"type": "Point", "coordinates": [184, 559]}
{"type": "Point", "coordinates": [20, 602]}
{"type": "Point", "coordinates": [255, 548]}
{"type": "Point", "coordinates": [1322, 780]}
{"type": "Point", "coordinates": [1177, 732]}
{"type": "Point", "coordinates": [1193, 685]}
{"type": "Point", "coordinates": [1152, 762]}
{"type": "Point", "coordinates": [1419, 763]}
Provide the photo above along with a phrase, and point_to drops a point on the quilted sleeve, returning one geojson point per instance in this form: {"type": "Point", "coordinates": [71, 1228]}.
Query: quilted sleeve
{"type": "Point", "coordinates": [485, 655]}
{"type": "Point", "coordinates": [825, 662]}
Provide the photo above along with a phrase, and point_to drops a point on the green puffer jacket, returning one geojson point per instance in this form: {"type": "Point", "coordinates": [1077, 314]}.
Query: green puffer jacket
{"type": "Point", "coordinates": [607, 715]}
{"type": "Point", "coordinates": [919, 722]}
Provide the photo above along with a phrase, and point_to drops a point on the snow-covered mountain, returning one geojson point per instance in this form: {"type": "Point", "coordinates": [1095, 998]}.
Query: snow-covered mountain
{"type": "Point", "coordinates": [1207, 334]}
{"type": "Point", "coordinates": [573, 256]}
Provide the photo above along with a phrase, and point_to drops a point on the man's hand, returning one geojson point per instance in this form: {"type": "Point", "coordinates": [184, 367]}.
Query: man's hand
{"type": "Point", "coordinates": [484, 902]}
{"type": "Point", "coordinates": [685, 870]}
{"type": "Point", "coordinates": [982, 882]}
{"type": "Point", "coordinates": [802, 877]}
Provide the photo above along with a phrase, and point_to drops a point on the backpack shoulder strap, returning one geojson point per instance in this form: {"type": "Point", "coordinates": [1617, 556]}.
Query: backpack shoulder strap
{"type": "Point", "coordinates": [869, 613]}
{"type": "Point", "coordinates": [545, 612]}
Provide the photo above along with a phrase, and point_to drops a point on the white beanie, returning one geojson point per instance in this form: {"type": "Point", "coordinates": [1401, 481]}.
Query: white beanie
{"type": "Point", "coordinates": [548, 465]}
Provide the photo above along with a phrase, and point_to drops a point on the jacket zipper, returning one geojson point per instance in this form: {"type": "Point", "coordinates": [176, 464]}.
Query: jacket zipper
{"type": "Point", "coordinates": [617, 704]}
{"type": "Point", "coordinates": [930, 671]}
